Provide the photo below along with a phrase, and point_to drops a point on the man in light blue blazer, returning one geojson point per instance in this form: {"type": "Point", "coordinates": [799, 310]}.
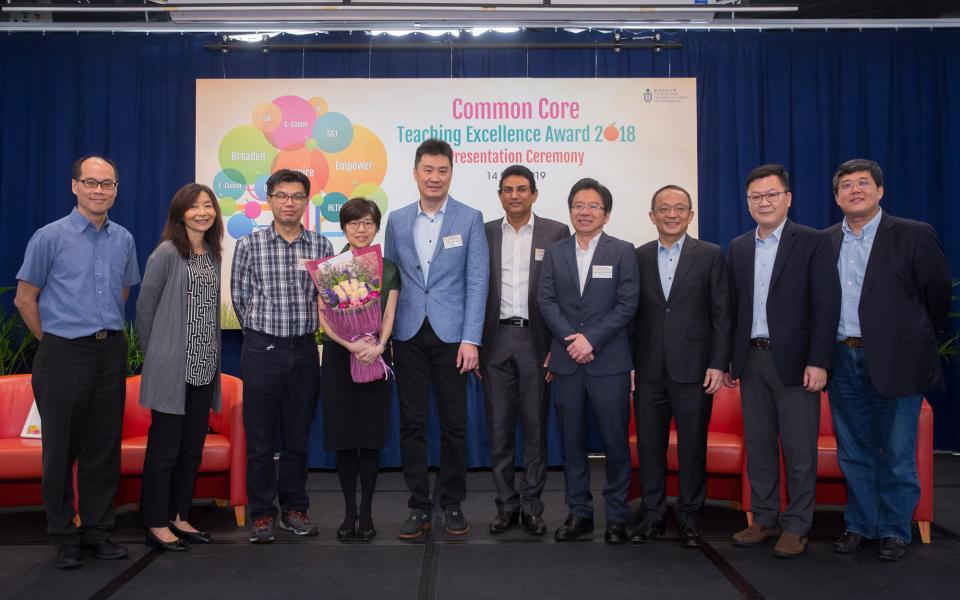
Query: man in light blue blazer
{"type": "Point", "coordinates": [589, 289]}
{"type": "Point", "coordinates": [441, 250]}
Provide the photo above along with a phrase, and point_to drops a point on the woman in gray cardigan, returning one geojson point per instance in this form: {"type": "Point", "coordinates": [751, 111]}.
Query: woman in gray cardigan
{"type": "Point", "coordinates": [178, 316]}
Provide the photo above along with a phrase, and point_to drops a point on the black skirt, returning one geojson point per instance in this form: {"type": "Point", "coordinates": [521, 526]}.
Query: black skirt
{"type": "Point", "coordinates": [354, 414]}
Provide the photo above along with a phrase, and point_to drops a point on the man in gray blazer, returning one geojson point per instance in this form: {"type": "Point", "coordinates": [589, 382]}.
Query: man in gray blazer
{"type": "Point", "coordinates": [588, 294]}
{"type": "Point", "coordinates": [514, 350]}
{"type": "Point", "coordinates": [438, 245]}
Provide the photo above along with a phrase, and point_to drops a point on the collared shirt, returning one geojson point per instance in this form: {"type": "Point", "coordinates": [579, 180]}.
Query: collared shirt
{"type": "Point", "coordinates": [515, 269]}
{"type": "Point", "coordinates": [854, 254]}
{"type": "Point", "coordinates": [766, 254]}
{"type": "Point", "coordinates": [667, 259]}
{"type": "Point", "coordinates": [584, 258]}
{"type": "Point", "coordinates": [426, 233]}
{"type": "Point", "coordinates": [82, 272]}
{"type": "Point", "coordinates": [271, 289]}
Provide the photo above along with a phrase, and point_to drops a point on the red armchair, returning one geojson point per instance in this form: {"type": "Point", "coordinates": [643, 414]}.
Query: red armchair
{"type": "Point", "coordinates": [831, 488]}
{"type": "Point", "coordinates": [21, 463]}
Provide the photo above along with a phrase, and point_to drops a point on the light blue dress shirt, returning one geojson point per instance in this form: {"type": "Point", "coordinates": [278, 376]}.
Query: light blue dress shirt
{"type": "Point", "coordinates": [667, 259]}
{"type": "Point", "coordinates": [766, 254]}
{"type": "Point", "coordinates": [854, 254]}
{"type": "Point", "coordinates": [82, 272]}
{"type": "Point", "coordinates": [426, 234]}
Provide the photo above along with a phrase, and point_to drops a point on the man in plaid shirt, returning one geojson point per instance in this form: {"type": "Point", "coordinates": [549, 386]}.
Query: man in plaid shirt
{"type": "Point", "coordinates": [276, 304]}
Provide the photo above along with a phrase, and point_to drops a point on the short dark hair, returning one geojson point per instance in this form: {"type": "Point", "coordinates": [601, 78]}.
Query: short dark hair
{"type": "Point", "coordinates": [768, 170]}
{"type": "Point", "coordinates": [77, 168]}
{"type": "Point", "coordinates": [855, 166]}
{"type": "Point", "coordinates": [355, 209]}
{"type": "Point", "coordinates": [433, 147]}
{"type": "Point", "coordinates": [175, 230]}
{"type": "Point", "coordinates": [288, 176]}
{"type": "Point", "coordinates": [521, 171]}
{"type": "Point", "coordinates": [591, 184]}
{"type": "Point", "coordinates": [670, 186]}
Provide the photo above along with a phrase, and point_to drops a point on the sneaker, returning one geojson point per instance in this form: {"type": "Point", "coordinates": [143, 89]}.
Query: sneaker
{"type": "Point", "coordinates": [456, 522]}
{"type": "Point", "coordinates": [297, 522]}
{"type": "Point", "coordinates": [262, 532]}
{"type": "Point", "coordinates": [417, 524]}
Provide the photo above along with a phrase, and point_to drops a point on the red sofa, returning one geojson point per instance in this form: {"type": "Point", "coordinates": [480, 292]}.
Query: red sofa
{"type": "Point", "coordinates": [222, 474]}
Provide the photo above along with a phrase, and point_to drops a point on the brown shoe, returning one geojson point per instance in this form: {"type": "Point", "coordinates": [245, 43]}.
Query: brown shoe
{"type": "Point", "coordinates": [790, 545]}
{"type": "Point", "coordinates": [755, 535]}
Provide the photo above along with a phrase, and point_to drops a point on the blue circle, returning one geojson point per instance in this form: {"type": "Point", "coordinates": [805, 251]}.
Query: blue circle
{"type": "Point", "coordinates": [229, 183]}
{"type": "Point", "coordinates": [260, 188]}
{"type": "Point", "coordinates": [332, 132]}
{"type": "Point", "coordinates": [239, 225]}
{"type": "Point", "coordinates": [331, 206]}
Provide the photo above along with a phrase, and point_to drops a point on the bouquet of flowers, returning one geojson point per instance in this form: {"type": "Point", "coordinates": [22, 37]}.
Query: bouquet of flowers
{"type": "Point", "coordinates": [349, 286]}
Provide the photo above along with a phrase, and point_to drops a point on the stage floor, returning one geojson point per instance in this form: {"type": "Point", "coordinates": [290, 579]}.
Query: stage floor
{"type": "Point", "coordinates": [480, 565]}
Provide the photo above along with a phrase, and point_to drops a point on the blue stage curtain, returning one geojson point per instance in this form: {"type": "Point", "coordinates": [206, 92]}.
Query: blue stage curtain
{"type": "Point", "coordinates": [808, 99]}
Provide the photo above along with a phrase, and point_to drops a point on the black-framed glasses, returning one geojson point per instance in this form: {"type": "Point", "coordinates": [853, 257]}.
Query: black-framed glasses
{"type": "Point", "coordinates": [91, 184]}
{"type": "Point", "coordinates": [365, 224]}
{"type": "Point", "coordinates": [770, 197]}
{"type": "Point", "coordinates": [282, 198]}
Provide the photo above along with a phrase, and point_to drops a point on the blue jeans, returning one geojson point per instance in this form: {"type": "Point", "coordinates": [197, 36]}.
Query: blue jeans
{"type": "Point", "coordinates": [876, 447]}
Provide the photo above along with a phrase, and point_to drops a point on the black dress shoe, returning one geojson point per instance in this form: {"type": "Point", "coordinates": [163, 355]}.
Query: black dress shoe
{"type": "Point", "coordinates": [106, 550]}
{"type": "Point", "coordinates": [347, 531]}
{"type": "Point", "coordinates": [68, 557]}
{"type": "Point", "coordinates": [365, 535]}
{"type": "Point", "coordinates": [688, 536]}
{"type": "Point", "coordinates": [504, 521]}
{"type": "Point", "coordinates": [891, 548]}
{"type": "Point", "coordinates": [176, 546]}
{"type": "Point", "coordinates": [849, 543]}
{"type": "Point", "coordinates": [573, 528]}
{"type": "Point", "coordinates": [194, 537]}
{"type": "Point", "coordinates": [616, 533]}
{"type": "Point", "coordinates": [533, 524]}
{"type": "Point", "coordinates": [647, 532]}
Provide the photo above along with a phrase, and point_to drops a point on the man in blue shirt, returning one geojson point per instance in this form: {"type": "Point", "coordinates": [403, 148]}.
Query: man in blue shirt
{"type": "Point", "coordinates": [72, 287]}
{"type": "Point", "coordinates": [785, 305]}
{"type": "Point", "coordinates": [896, 295]}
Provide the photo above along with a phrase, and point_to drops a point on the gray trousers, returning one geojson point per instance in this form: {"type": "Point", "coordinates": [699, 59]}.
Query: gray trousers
{"type": "Point", "coordinates": [773, 411]}
{"type": "Point", "coordinates": [516, 391]}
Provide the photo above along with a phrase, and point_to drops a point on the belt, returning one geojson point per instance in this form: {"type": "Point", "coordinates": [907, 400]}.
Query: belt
{"type": "Point", "coordinates": [101, 335]}
{"type": "Point", "coordinates": [852, 342]}
{"type": "Point", "coordinates": [515, 322]}
{"type": "Point", "coordinates": [762, 343]}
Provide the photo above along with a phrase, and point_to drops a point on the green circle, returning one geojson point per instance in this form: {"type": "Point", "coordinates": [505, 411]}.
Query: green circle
{"type": "Point", "coordinates": [228, 206]}
{"type": "Point", "coordinates": [316, 199]}
{"type": "Point", "coordinates": [248, 151]}
{"type": "Point", "coordinates": [372, 191]}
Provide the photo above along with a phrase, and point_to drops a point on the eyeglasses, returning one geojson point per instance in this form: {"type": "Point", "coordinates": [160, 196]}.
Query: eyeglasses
{"type": "Point", "coordinates": [863, 184]}
{"type": "Point", "coordinates": [586, 207]}
{"type": "Point", "coordinates": [666, 210]}
{"type": "Point", "coordinates": [770, 197]}
{"type": "Point", "coordinates": [92, 184]}
{"type": "Point", "coordinates": [366, 224]}
{"type": "Point", "coordinates": [282, 198]}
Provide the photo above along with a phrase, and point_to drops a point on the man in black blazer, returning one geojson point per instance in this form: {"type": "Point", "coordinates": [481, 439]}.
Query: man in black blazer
{"type": "Point", "coordinates": [514, 350]}
{"type": "Point", "coordinates": [588, 295]}
{"type": "Point", "coordinates": [896, 295]}
{"type": "Point", "coordinates": [786, 304]}
{"type": "Point", "coordinates": [682, 347]}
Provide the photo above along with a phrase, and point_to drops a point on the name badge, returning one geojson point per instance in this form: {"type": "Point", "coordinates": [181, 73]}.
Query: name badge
{"type": "Point", "coordinates": [603, 271]}
{"type": "Point", "coordinates": [452, 241]}
{"type": "Point", "coordinates": [538, 254]}
{"type": "Point", "coordinates": [302, 264]}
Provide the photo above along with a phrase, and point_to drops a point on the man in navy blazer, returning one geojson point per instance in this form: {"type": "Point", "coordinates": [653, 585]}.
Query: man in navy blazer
{"type": "Point", "coordinates": [785, 305]}
{"type": "Point", "coordinates": [589, 286]}
{"type": "Point", "coordinates": [896, 295]}
{"type": "Point", "coordinates": [439, 246]}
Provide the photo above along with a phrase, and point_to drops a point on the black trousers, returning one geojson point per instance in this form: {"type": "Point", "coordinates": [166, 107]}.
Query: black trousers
{"type": "Point", "coordinates": [80, 388]}
{"type": "Point", "coordinates": [421, 362]}
{"type": "Point", "coordinates": [656, 403]}
{"type": "Point", "coordinates": [281, 388]}
{"type": "Point", "coordinates": [174, 452]}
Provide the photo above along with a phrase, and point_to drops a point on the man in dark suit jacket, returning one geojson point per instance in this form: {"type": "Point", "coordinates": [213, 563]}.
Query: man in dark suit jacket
{"type": "Point", "coordinates": [588, 296]}
{"type": "Point", "coordinates": [896, 295]}
{"type": "Point", "coordinates": [682, 347]}
{"type": "Point", "coordinates": [786, 304]}
{"type": "Point", "coordinates": [514, 350]}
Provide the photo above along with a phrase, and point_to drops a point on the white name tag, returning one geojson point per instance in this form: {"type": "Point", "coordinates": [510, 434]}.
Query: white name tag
{"type": "Point", "coordinates": [538, 254]}
{"type": "Point", "coordinates": [603, 271]}
{"type": "Point", "coordinates": [302, 264]}
{"type": "Point", "coordinates": [452, 241]}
